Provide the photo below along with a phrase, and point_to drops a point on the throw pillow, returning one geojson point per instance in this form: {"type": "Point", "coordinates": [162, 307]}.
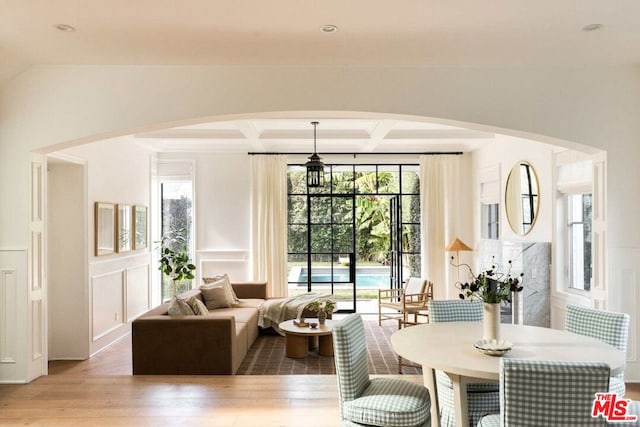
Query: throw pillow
{"type": "Point", "coordinates": [179, 307]}
{"type": "Point", "coordinates": [198, 307]}
{"type": "Point", "coordinates": [216, 297]}
{"type": "Point", "coordinates": [222, 280]}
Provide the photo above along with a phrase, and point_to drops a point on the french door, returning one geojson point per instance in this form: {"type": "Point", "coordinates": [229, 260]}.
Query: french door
{"type": "Point", "coordinates": [331, 257]}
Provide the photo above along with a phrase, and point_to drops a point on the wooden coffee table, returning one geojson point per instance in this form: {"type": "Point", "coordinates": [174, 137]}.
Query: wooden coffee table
{"type": "Point", "coordinates": [301, 339]}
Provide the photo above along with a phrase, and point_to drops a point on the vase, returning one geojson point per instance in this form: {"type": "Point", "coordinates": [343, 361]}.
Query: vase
{"type": "Point", "coordinates": [491, 321]}
{"type": "Point", "coordinates": [322, 316]}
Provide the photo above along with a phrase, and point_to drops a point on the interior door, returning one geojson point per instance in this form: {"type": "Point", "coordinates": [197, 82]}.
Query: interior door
{"type": "Point", "coordinates": [331, 256]}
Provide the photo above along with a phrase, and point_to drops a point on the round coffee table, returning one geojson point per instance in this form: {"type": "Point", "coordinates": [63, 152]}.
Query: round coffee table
{"type": "Point", "coordinates": [301, 339]}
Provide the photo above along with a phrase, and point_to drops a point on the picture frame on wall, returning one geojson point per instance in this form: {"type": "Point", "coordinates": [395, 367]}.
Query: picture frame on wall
{"type": "Point", "coordinates": [139, 227]}
{"type": "Point", "coordinates": [124, 240]}
{"type": "Point", "coordinates": [105, 226]}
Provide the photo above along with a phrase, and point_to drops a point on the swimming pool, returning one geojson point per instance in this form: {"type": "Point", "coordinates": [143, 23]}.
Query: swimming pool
{"type": "Point", "coordinates": [366, 277]}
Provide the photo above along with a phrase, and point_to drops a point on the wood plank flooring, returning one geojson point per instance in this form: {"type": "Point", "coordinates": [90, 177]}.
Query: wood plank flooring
{"type": "Point", "coordinates": [101, 392]}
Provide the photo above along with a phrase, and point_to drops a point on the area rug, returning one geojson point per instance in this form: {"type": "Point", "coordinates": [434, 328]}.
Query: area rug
{"type": "Point", "coordinates": [267, 356]}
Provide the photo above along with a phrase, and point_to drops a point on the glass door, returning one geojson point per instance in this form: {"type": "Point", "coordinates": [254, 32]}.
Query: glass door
{"type": "Point", "coordinates": [395, 238]}
{"type": "Point", "coordinates": [331, 258]}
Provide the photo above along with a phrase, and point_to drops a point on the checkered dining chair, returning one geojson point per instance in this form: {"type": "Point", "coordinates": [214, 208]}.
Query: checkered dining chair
{"type": "Point", "coordinates": [609, 327]}
{"type": "Point", "coordinates": [482, 398]}
{"type": "Point", "coordinates": [368, 401]}
{"type": "Point", "coordinates": [548, 393]}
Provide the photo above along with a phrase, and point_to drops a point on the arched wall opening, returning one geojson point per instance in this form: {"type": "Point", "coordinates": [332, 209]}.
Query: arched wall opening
{"type": "Point", "coordinates": [48, 105]}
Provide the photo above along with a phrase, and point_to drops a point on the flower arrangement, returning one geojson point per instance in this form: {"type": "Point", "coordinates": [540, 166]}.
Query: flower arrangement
{"type": "Point", "coordinates": [490, 285]}
{"type": "Point", "coordinates": [326, 306]}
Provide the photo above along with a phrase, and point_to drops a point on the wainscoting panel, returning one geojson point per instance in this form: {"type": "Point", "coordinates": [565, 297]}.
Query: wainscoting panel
{"type": "Point", "coordinates": [107, 303]}
{"type": "Point", "coordinates": [137, 291]}
{"type": "Point", "coordinates": [14, 337]}
{"type": "Point", "coordinates": [9, 320]}
{"type": "Point", "coordinates": [234, 262]}
{"type": "Point", "coordinates": [624, 279]}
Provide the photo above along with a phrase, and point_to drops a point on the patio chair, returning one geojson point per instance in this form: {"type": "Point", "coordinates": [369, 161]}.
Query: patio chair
{"type": "Point", "coordinates": [483, 397]}
{"type": "Point", "coordinates": [548, 393]}
{"type": "Point", "coordinates": [609, 327]}
{"type": "Point", "coordinates": [412, 299]}
{"type": "Point", "coordinates": [378, 401]}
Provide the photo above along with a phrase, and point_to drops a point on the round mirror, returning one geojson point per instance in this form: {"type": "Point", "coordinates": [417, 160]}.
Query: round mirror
{"type": "Point", "coordinates": [521, 198]}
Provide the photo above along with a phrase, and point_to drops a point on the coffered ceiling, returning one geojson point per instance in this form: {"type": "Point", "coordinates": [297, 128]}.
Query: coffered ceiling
{"type": "Point", "coordinates": [333, 135]}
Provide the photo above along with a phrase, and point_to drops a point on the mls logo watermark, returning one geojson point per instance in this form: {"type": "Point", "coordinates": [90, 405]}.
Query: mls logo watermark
{"type": "Point", "coordinates": [611, 408]}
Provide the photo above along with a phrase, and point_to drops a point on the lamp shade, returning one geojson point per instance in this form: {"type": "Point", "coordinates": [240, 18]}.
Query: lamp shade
{"type": "Point", "coordinates": [457, 245]}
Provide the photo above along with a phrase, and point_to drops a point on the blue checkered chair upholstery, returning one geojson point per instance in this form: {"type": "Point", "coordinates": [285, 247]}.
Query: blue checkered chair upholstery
{"type": "Point", "coordinates": [387, 402]}
{"type": "Point", "coordinates": [547, 393]}
{"type": "Point", "coordinates": [482, 398]}
{"type": "Point", "coordinates": [609, 327]}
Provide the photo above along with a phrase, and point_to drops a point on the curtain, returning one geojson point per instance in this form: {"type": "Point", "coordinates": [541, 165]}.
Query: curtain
{"type": "Point", "coordinates": [439, 196]}
{"type": "Point", "coordinates": [269, 222]}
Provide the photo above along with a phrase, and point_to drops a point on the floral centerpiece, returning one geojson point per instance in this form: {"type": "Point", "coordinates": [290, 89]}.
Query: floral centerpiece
{"type": "Point", "coordinates": [490, 285]}
{"type": "Point", "coordinates": [322, 308]}
{"type": "Point", "coordinates": [493, 288]}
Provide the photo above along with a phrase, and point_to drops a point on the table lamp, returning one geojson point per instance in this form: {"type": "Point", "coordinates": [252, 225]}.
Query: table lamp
{"type": "Point", "coordinates": [456, 246]}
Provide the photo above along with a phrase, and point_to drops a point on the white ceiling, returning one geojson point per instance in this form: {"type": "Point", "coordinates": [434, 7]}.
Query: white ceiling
{"type": "Point", "coordinates": [287, 32]}
{"type": "Point", "coordinates": [454, 33]}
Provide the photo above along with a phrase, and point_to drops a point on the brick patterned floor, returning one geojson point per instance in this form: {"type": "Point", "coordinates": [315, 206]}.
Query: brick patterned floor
{"type": "Point", "coordinates": [267, 356]}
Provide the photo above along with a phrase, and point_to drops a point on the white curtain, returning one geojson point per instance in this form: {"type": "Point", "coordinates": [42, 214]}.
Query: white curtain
{"type": "Point", "coordinates": [269, 222]}
{"type": "Point", "coordinates": [439, 210]}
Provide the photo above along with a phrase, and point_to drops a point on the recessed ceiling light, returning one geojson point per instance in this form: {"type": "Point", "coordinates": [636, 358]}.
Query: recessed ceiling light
{"type": "Point", "coordinates": [328, 28]}
{"type": "Point", "coordinates": [66, 28]}
{"type": "Point", "coordinates": [591, 27]}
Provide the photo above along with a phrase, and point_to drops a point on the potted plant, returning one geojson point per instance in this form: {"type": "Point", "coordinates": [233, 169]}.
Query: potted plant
{"type": "Point", "coordinates": [174, 258]}
{"type": "Point", "coordinates": [322, 308]}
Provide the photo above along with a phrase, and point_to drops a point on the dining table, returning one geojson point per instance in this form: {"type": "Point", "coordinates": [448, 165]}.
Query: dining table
{"type": "Point", "coordinates": [449, 347]}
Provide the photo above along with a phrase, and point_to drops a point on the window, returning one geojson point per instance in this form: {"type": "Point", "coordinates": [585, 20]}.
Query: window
{"type": "Point", "coordinates": [176, 211]}
{"type": "Point", "coordinates": [351, 217]}
{"type": "Point", "coordinates": [579, 211]}
{"type": "Point", "coordinates": [490, 221]}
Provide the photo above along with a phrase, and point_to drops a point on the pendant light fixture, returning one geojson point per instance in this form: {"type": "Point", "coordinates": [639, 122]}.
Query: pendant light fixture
{"type": "Point", "coordinates": [315, 168]}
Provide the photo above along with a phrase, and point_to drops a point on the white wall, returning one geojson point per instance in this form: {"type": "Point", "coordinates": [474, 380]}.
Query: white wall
{"type": "Point", "coordinates": [223, 213]}
{"type": "Point", "coordinates": [504, 153]}
{"type": "Point", "coordinates": [54, 104]}
{"type": "Point", "coordinates": [118, 285]}
{"type": "Point", "coordinates": [67, 262]}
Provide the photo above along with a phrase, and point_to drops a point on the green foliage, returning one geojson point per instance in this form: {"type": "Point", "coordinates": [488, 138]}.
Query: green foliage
{"type": "Point", "coordinates": [176, 215]}
{"type": "Point", "coordinates": [174, 257]}
{"type": "Point", "coordinates": [372, 216]}
{"type": "Point", "coordinates": [328, 306]}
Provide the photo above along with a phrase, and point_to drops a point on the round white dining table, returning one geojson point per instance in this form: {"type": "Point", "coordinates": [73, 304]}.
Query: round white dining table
{"type": "Point", "coordinates": [449, 347]}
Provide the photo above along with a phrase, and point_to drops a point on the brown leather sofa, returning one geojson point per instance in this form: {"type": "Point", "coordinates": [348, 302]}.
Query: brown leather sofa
{"type": "Point", "coordinates": [197, 345]}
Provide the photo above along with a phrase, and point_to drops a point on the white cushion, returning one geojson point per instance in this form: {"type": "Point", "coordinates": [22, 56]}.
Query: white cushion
{"type": "Point", "coordinates": [414, 286]}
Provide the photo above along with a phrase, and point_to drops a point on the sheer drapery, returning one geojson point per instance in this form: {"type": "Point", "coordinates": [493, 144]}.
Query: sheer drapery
{"type": "Point", "coordinates": [439, 194]}
{"type": "Point", "coordinates": [269, 222]}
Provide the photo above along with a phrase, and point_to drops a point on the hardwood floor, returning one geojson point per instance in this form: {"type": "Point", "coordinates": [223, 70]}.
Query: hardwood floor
{"type": "Point", "coordinates": [101, 391]}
